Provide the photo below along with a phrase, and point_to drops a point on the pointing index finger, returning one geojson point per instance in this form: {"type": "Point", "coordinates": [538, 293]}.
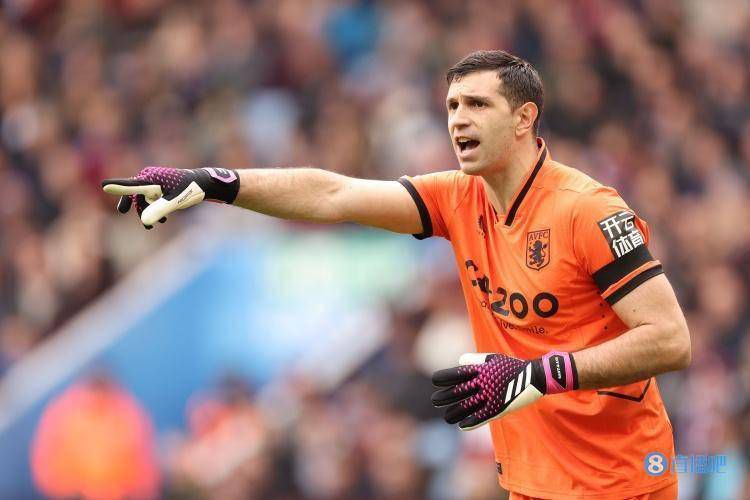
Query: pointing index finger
{"type": "Point", "coordinates": [150, 191]}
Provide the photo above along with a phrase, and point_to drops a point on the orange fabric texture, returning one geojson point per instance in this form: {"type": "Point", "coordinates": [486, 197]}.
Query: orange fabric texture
{"type": "Point", "coordinates": [94, 442]}
{"type": "Point", "coordinates": [668, 493]}
{"type": "Point", "coordinates": [541, 277]}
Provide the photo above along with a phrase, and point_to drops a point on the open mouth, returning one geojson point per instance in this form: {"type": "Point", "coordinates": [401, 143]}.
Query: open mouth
{"type": "Point", "coordinates": [465, 144]}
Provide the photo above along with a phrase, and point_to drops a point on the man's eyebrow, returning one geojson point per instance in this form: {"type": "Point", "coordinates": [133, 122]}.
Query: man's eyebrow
{"type": "Point", "coordinates": [478, 97]}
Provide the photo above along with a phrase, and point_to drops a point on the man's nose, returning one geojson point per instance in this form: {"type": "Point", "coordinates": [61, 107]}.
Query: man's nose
{"type": "Point", "coordinates": [458, 119]}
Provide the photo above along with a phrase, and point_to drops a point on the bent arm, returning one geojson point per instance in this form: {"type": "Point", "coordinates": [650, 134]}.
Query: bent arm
{"type": "Point", "coordinates": [316, 195]}
{"type": "Point", "coordinates": [658, 340]}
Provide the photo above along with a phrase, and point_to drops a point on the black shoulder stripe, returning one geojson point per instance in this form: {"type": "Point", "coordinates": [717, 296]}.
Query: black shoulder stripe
{"type": "Point", "coordinates": [633, 284]}
{"type": "Point", "coordinates": [619, 268]}
{"type": "Point", "coordinates": [424, 214]}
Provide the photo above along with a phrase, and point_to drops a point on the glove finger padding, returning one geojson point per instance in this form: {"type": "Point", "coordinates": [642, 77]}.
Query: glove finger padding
{"type": "Point", "coordinates": [138, 194]}
{"type": "Point", "coordinates": [454, 394]}
{"type": "Point", "coordinates": [167, 189]}
{"type": "Point", "coordinates": [472, 422]}
{"type": "Point", "coordinates": [511, 388]}
{"type": "Point", "coordinates": [124, 203]}
{"type": "Point", "coordinates": [191, 195]}
{"type": "Point", "coordinates": [140, 205]}
{"type": "Point", "coordinates": [454, 376]}
{"type": "Point", "coordinates": [475, 358]}
{"type": "Point", "coordinates": [478, 393]}
{"type": "Point", "coordinates": [133, 191]}
{"type": "Point", "coordinates": [460, 411]}
{"type": "Point", "coordinates": [124, 187]}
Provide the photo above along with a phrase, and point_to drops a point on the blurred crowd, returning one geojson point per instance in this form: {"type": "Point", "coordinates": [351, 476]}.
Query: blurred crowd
{"type": "Point", "coordinates": [650, 96]}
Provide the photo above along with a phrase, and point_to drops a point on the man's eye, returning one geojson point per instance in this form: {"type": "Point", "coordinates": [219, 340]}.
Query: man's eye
{"type": "Point", "coordinates": [479, 104]}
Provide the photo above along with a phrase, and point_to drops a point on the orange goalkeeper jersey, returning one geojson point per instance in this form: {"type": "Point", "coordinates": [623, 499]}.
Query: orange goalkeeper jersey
{"type": "Point", "coordinates": [543, 277]}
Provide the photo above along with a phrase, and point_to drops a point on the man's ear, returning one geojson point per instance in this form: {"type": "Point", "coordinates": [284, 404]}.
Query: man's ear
{"type": "Point", "coordinates": [526, 115]}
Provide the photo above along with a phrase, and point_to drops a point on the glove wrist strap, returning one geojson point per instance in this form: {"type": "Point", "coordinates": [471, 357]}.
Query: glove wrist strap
{"type": "Point", "coordinates": [220, 184]}
{"type": "Point", "coordinates": [559, 372]}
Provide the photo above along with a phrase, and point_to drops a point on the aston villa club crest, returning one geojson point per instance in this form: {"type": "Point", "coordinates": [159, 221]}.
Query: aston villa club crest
{"type": "Point", "coordinates": [537, 249]}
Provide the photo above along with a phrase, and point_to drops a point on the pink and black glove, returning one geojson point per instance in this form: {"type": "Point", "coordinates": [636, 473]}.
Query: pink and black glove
{"type": "Point", "coordinates": [489, 386]}
{"type": "Point", "coordinates": [158, 191]}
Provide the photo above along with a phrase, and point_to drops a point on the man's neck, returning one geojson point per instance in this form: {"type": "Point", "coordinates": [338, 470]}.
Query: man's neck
{"type": "Point", "coordinates": [503, 184]}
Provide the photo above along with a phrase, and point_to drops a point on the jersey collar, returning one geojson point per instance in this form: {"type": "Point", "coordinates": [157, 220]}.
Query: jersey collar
{"type": "Point", "coordinates": [524, 189]}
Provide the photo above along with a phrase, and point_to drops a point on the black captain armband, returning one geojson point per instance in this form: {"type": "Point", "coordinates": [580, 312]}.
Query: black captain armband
{"type": "Point", "coordinates": [628, 247]}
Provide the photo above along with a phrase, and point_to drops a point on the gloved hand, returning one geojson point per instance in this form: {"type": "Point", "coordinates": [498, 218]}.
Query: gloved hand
{"type": "Point", "coordinates": [488, 386]}
{"type": "Point", "coordinates": [159, 191]}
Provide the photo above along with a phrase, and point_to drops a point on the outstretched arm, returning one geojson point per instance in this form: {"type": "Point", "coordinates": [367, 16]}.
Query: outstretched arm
{"type": "Point", "coordinates": [320, 196]}
{"type": "Point", "coordinates": [308, 194]}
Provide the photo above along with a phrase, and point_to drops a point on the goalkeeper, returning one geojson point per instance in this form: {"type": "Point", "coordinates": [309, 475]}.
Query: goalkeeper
{"type": "Point", "coordinates": [571, 315]}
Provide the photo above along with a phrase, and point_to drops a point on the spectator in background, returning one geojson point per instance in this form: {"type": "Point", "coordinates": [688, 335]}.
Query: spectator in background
{"type": "Point", "coordinates": [95, 441]}
{"type": "Point", "coordinates": [225, 454]}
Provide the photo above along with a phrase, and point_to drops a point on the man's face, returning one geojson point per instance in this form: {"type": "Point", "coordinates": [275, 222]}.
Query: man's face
{"type": "Point", "coordinates": [480, 122]}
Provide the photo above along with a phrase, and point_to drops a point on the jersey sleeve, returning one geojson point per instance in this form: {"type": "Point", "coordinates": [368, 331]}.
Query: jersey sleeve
{"type": "Point", "coordinates": [435, 195]}
{"type": "Point", "coordinates": [611, 243]}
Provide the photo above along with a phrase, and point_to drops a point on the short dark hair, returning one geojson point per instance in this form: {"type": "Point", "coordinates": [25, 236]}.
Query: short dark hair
{"type": "Point", "coordinates": [519, 81]}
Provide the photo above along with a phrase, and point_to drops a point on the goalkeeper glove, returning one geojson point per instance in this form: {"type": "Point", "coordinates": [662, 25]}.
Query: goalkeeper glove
{"type": "Point", "coordinates": [489, 386]}
{"type": "Point", "coordinates": [158, 191]}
